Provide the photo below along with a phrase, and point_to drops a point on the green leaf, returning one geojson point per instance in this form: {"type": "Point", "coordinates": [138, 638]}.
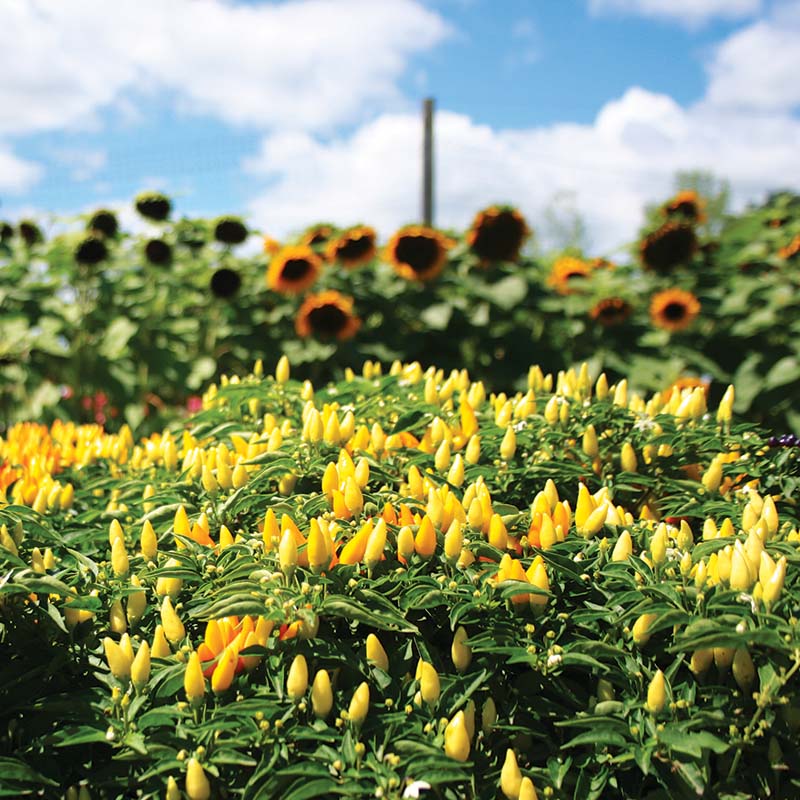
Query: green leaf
{"type": "Point", "coordinates": [116, 338]}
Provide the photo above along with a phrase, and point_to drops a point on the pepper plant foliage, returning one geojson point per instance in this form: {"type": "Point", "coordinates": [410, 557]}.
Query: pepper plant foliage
{"type": "Point", "coordinates": [395, 584]}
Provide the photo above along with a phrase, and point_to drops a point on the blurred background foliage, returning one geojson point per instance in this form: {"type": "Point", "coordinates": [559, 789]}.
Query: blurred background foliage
{"type": "Point", "coordinates": [104, 324]}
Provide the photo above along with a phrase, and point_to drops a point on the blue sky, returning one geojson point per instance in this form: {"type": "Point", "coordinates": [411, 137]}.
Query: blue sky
{"type": "Point", "coordinates": [288, 112]}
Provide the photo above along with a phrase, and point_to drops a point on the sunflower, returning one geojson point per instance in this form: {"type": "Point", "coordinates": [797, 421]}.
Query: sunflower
{"type": "Point", "coordinates": [30, 232]}
{"type": "Point", "coordinates": [153, 205]}
{"type": "Point", "coordinates": [230, 230]}
{"type": "Point", "coordinates": [687, 204]}
{"type": "Point", "coordinates": [792, 250]}
{"type": "Point", "coordinates": [672, 244]}
{"type": "Point", "coordinates": [497, 234]}
{"type": "Point", "coordinates": [271, 246]}
{"type": "Point", "coordinates": [327, 315]}
{"type": "Point", "coordinates": [158, 252]}
{"type": "Point", "coordinates": [293, 269]}
{"type": "Point", "coordinates": [418, 252]}
{"type": "Point", "coordinates": [104, 222]}
{"type": "Point", "coordinates": [611, 311]}
{"type": "Point", "coordinates": [6, 231]}
{"type": "Point", "coordinates": [91, 250]}
{"type": "Point", "coordinates": [225, 282]}
{"type": "Point", "coordinates": [353, 247]}
{"type": "Point", "coordinates": [318, 235]}
{"type": "Point", "coordinates": [674, 309]}
{"type": "Point", "coordinates": [564, 270]}
{"type": "Point", "coordinates": [777, 222]}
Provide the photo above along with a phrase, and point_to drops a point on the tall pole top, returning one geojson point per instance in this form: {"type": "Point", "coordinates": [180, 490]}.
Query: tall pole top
{"type": "Point", "coordinates": [427, 161]}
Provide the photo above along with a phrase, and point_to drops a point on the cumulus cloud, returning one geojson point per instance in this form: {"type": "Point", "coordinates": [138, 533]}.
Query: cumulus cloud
{"type": "Point", "coordinates": [757, 67]}
{"type": "Point", "coordinates": [307, 63]}
{"type": "Point", "coordinates": [686, 12]}
{"type": "Point", "coordinates": [17, 175]}
{"type": "Point", "coordinates": [626, 158]}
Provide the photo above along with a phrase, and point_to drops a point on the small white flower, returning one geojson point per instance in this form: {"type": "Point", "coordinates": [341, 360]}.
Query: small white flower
{"type": "Point", "coordinates": [413, 789]}
{"type": "Point", "coordinates": [554, 660]}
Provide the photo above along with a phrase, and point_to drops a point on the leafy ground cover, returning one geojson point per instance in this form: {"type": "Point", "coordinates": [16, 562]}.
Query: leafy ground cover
{"type": "Point", "coordinates": [401, 585]}
{"type": "Point", "coordinates": [100, 324]}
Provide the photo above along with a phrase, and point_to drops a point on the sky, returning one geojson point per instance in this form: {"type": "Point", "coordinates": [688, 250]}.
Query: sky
{"type": "Point", "coordinates": [297, 111]}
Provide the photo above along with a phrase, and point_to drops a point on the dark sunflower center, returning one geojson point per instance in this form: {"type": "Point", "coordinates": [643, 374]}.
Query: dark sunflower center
{"type": "Point", "coordinates": [611, 311]}
{"type": "Point", "coordinates": [158, 251]}
{"type": "Point", "coordinates": [686, 207]}
{"type": "Point", "coordinates": [295, 269]}
{"type": "Point", "coordinates": [105, 222]}
{"type": "Point", "coordinates": [225, 282]}
{"type": "Point", "coordinates": [6, 231]}
{"type": "Point", "coordinates": [90, 251]}
{"type": "Point", "coordinates": [327, 320]}
{"type": "Point", "coordinates": [499, 238]}
{"type": "Point", "coordinates": [668, 248]}
{"type": "Point", "coordinates": [674, 311]}
{"type": "Point", "coordinates": [354, 249]}
{"type": "Point", "coordinates": [570, 275]}
{"type": "Point", "coordinates": [154, 206]}
{"type": "Point", "coordinates": [419, 252]}
{"type": "Point", "coordinates": [30, 233]}
{"type": "Point", "coordinates": [230, 231]}
{"type": "Point", "coordinates": [319, 236]}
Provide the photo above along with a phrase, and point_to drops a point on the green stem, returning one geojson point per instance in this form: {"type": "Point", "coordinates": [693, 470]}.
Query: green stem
{"type": "Point", "coordinates": [763, 704]}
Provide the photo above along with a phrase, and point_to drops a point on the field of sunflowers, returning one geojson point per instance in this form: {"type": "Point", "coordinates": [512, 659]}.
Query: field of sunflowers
{"type": "Point", "coordinates": [103, 325]}
{"type": "Point", "coordinates": [306, 523]}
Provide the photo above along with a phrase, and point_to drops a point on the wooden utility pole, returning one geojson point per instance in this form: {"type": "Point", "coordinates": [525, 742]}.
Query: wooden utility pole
{"type": "Point", "coordinates": [427, 161]}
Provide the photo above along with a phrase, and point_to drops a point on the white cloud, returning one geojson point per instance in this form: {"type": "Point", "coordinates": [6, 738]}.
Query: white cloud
{"type": "Point", "coordinates": [305, 63]}
{"type": "Point", "coordinates": [626, 158]}
{"type": "Point", "coordinates": [16, 174]}
{"type": "Point", "coordinates": [758, 66]}
{"type": "Point", "coordinates": [687, 12]}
